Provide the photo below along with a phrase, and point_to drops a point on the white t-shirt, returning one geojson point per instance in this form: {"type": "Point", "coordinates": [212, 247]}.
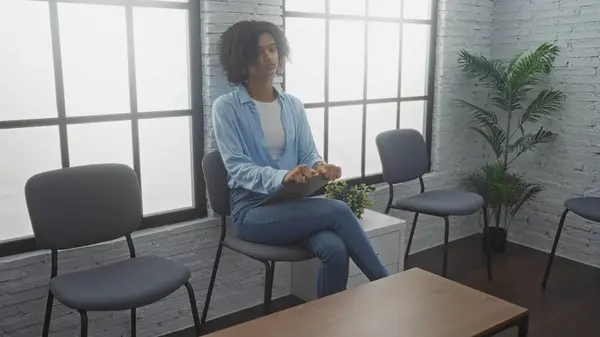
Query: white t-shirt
{"type": "Point", "coordinates": [270, 119]}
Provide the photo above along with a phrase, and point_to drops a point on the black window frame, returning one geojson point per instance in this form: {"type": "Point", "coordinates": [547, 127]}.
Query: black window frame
{"type": "Point", "coordinates": [195, 112]}
{"type": "Point", "coordinates": [326, 104]}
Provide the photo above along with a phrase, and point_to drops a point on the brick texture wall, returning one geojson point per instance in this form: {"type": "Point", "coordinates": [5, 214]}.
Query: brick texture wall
{"type": "Point", "coordinates": [23, 278]}
{"type": "Point", "coordinates": [570, 166]}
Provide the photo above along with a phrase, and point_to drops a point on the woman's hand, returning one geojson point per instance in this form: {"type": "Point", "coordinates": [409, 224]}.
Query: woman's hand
{"type": "Point", "coordinates": [299, 175]}
{"type": "Point", "coordinates": [329, 171]}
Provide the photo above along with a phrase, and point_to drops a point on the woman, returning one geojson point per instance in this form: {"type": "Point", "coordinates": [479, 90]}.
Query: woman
{"type": "Point", "coordinates": [265, 141]}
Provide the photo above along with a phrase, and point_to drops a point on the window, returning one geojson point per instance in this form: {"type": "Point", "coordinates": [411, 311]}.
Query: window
{"type": "Point", "coordinates": [92, 81]}
{"type": "Point", "coordinates": [361, 67]}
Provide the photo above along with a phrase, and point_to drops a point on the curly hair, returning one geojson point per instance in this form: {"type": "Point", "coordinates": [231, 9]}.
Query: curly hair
{"type": "Point", "coordinates": [238, 48]}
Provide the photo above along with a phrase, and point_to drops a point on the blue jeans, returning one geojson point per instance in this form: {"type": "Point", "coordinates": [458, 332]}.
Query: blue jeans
{"type": "Point", "coordinates": [326, 227]}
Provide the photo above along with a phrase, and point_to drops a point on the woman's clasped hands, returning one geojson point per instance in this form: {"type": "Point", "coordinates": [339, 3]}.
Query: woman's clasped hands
{"type": "Point", "coordinates": [303, 173]}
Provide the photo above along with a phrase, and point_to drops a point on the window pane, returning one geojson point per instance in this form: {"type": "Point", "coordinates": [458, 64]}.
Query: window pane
{"type": "Point", "coordinates": [417, 9]}
{"type": "Point", "coordinates": [345, 139]}
{"type": "Point", "coordinates": [24, 152]}
{"type": "Point", "coordinates": [385, 8]}
{"type": "Point", "coordinates": [346, 60]}
{"type": "Point", "coordinates": [384, 46]}
{"type": "Point", "coordinates": [165, 154]}
{"type": "Point", "coordinates": [380, 118]}
{"type": "Point", "coordinates": [316, 119]}
{"type": "Point", "coordinates": [317, 6]}
{"type": "Point", "coordinates": [26, 65]}
{"type": "Point", "coordinates": [412, 115]}
{"type": "Point", "coordinates": [415, 57]}
{"type": "Point", "coordinates": [94, 53]}
{"type": "Point", "coordinates": [351, 7]}
{"type": "Point", "coordinates": [161, 59]}
{"type": "Point", "coordinates": [305, 72]}
{"type": "Point", "coordinates": [99, 143]}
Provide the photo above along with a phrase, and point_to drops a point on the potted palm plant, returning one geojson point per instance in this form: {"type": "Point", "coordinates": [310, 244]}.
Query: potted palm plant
{"type": "Point", "coordinates": [519, 97]}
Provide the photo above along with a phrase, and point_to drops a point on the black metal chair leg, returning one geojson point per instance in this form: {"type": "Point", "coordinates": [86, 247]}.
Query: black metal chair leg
{"type": "Point", "coordinates": [390, 200]}
{"type": "Point", "coordinates": [556, 238]}
{"type": "Point", "coordinates": [194, 306]}
{"type": "Point", "coordinates": [211, 285]}
{"type": "Point", "coordinates": [269, 276]}
{"type": "Point", "coordinates": [488, 243]}
{"type": "Point", "coordinates": [84, 323]}
{"type": "Point", "coordinates": [133, 323]}
{"type": "Point", "coordinates": [272, 280]}
{"type": "Point", "coordinates": [48, 316]}
{"type": "Point", "coordinates": [446, 234]}
{"type": "Point", "coordinates": [412, 232]}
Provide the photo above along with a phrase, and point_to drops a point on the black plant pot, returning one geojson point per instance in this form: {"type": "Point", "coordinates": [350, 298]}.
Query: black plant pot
{"type": "Point", "coordinates": [497, 240]}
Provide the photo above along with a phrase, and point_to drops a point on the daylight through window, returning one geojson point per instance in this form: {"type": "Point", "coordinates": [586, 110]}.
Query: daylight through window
{"type": "Point", "coordinates": [88, 82]}
{"type": "Point", "coordinates": [361, 67]}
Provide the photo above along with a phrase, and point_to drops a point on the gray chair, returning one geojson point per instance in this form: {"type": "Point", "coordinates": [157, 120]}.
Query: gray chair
{"type": "Point", "coordinates": [215, 176]}
{"type": "Point", "coordinates": [404, 158]}
{"type": "Point", "coordinates": [585, 207]}
{"type": "Point", "coordinates": [81, 206]}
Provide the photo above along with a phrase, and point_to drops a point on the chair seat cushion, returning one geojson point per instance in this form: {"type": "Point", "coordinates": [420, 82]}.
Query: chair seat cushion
{"type": "Point", "coordinates": [260, 252]}
{"type": "Point", "coordinates": [442, 203]}
{"type": "Point", "coordinates": [587, 207]}
{"type": "Point", "coordinates": [122, 285]}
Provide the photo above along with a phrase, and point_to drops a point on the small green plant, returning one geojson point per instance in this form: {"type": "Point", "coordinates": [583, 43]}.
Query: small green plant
{"type": "Point", "coordinates": [503, 191]}
{"type": "Point", "coordinates": [357, 197]}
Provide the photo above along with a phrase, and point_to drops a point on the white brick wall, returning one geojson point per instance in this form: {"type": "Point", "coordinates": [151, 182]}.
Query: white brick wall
{"type": "Point", "coordinates": [23, 279]}
{"type": "Point", "coordinates": [23, 284]}
{"type": "Point", "coordinates": [570, 166]}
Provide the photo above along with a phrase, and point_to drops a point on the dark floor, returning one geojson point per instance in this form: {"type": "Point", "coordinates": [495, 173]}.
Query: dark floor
{"type": "Point", "coordinates": [570, 306]}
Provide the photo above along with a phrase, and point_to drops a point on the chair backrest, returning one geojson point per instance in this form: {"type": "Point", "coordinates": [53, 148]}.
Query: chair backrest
{"type": "Point", "coordinates": [215, 176]}
{"type": "Point", "coordinates": [80, 206]}
{"type": "Point", "coordinates": [403, 155]}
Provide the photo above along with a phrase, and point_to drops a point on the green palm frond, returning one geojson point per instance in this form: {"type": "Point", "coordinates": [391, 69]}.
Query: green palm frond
{"type": "Point", "coordinates": [495, 137]}
{"type": "Point", "coordinates": [480, 115]}
{"type": "Point", "coordinates": [502, 189]}
{"type": "Point", "coordinates": [547, 102]}
{"type": "Point", "coordinates": [528, 193]}
{"type": "Point", "coordinates": [521, 94]}
{"type": "Point", "coordinates": [480, 182]}
{"type": "Point", "coordinates": [492, 73]}
{"type": "Point", "coordinates": [512, 63]}
{"type": "Point", "coordinates": [529, 69]}
{"type": "Point", "coordinates": [527, 142]}
{"type": "Point", "coordinates": [505, 100]}
{"type": "Point", "coordinates": [501, 100]}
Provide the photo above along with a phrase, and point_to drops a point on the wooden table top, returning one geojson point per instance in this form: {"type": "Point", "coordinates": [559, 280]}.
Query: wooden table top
{"type": "Point", "coordinates": [413, 303]}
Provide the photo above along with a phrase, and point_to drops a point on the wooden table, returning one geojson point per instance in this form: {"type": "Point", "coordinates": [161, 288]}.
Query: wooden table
{"type": "Point", "coordinates": [414, 303]}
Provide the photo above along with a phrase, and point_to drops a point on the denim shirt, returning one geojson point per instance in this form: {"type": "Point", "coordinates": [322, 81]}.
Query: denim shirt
{"type": "Point", "coordinates": [252, 173]}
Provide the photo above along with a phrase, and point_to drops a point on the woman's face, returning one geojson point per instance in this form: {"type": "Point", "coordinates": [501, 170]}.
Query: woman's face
{"type": "Point", "coordinates": [267, 61]}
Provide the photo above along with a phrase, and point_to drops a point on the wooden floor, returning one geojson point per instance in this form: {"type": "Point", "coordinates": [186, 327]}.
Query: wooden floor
{"type": "Point", "coordinates": [570, 306]}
